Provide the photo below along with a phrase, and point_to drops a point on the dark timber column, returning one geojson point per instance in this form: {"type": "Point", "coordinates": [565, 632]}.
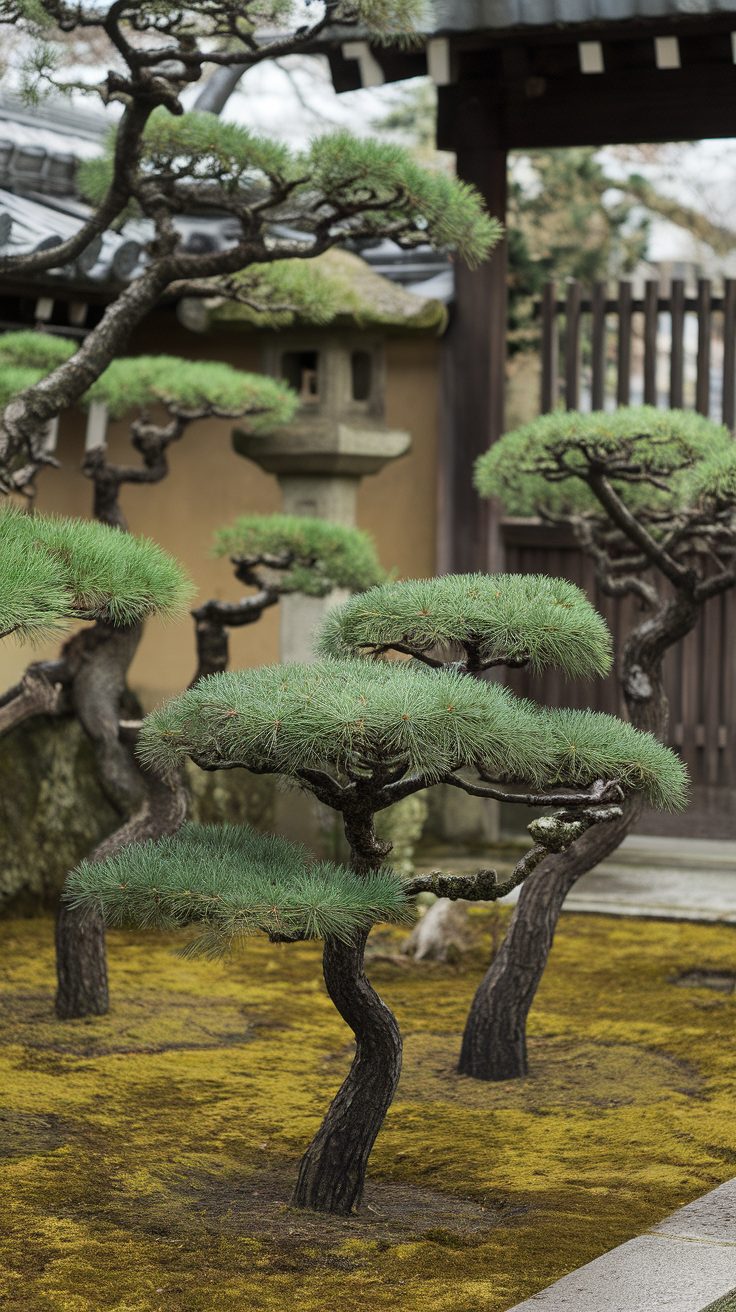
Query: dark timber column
{"type": "Point", "coordinates": [474, 356]}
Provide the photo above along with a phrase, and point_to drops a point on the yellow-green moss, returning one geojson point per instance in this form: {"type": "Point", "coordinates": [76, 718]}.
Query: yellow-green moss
{"type": "Point", "coordinates": [149, 1154]}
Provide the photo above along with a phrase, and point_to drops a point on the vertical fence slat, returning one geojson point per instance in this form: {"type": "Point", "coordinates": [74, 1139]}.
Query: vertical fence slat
{"type": "Point", "coordinates": [623, 354]}
{"type": "Point", "coordinates": [572, 345]}
{"type": "Point", "coordinates": [651, 321]}
{"type": "Point", "coordinates": [702, 382]}
{"type": "Point", "coordinates": [550, 348]}
{"type": "Point", "coordinates": [728, 411]}
{"type": "Point", "coordinates": [677, 343]}
{"type": "Point", "coordinates": [710, 627]}
{"type": "Point", "coordinates": [598, 346]}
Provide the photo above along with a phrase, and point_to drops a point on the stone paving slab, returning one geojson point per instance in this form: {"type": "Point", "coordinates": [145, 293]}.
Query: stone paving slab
{"type": "Point", "coordinates": [682, 1265]}
{"type": "Point", "coordinates": [686, 879]}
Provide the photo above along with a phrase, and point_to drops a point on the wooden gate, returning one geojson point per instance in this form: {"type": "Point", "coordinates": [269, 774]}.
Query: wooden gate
{"type": "Point", "coordinates": [670, 349]}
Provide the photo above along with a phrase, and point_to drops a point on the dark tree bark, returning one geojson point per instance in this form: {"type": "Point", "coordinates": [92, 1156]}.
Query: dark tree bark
{"type": "Point", "coordinates": [81, 964]}
{"type": "Point", "coordinates": [95, 664]}
{"type": "Point", "coordinates": [494, 1045]}
{"type": "Point", "coordinates": [332, 1171]}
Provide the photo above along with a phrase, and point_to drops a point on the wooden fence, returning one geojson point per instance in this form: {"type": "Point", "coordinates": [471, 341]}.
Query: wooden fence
{"type": "Point", "coordinates": [681, 352]}
{"type": "Point", "coordinates": [665, 348]}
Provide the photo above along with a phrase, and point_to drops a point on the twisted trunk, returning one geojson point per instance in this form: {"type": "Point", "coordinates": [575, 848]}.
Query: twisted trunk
{"type": "Point", "coordinates": [332, 1171]}
{"type": "Point", "coordinates": [494, 1043]}
{"type": "Point", "coordinates": [81, 965]}
{"type": "Point", "coordinates": [94, 666]}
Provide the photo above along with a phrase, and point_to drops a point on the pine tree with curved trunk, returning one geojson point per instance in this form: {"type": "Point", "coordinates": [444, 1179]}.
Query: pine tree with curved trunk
{"type": "Point", "coordinates": [360, 735]}
{"type": "Point", "coordinates": [651, 498]}
{"type": "Point", "coordinates": [162, 162]}
{"type": "Point", "coordinates": [53, 571]}
{"type": "Point", "coordinates": [89, 678]}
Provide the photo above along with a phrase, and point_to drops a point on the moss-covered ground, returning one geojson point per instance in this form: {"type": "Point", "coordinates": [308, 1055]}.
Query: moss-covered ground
{"type": "Point", "coordinates": [149, 1154]}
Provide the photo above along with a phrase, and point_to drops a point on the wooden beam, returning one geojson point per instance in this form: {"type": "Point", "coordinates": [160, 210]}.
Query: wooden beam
{"type": "Point", "coordinates": [474, 363]}
{"type": "Point", "coordinates": [676, 104]}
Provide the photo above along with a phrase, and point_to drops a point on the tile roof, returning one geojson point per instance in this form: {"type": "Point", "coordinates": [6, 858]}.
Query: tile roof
{"type": "Point", "coordinates": [484, 15]}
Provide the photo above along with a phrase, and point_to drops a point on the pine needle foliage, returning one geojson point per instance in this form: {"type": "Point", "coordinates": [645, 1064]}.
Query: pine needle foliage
{"type": "Point", "coordinates": [311, 556]}
{"type": "Point", "coordinates": [230, 882]}
{"type": "Point", "coordinates": [356, 716]}
{"type": "Point", "coordinates": [713, 479]}
{"type": "Point", "coordinates": [15, 378]}
{"type": "Point", "coordinates": [543, 464]}
{"type": "Point", "coordinates": [380, 183]}
{"type": "Point", "coordinates": [35, 350]}
{"type": "Point", "coordinates": [84, 570]}
{"type": "Point", "coordinates": [588, 745]}
{"type": "Point", "coordinates": [348, 715]}
{"type": "Point", "coordinates": [33, 597]}
{"type": "Point", "coordinates": [193, 387]}
{"type": "Point", "coordinates": [516, 617]}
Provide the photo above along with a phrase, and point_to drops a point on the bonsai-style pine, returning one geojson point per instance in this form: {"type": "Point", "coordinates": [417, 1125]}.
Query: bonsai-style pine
{"type": "Point", "coordinates": [651, 498]}
{"type": "Point", "coordinates": [360, 735]}
{"type": "Point", "coordinates": [53, 571]}
{"type": "Point", "coordinates": [88, 680]}
{"type": "Point", "coordinates": [278, 555]}
{"type": "Point", "coordinates": [164, 161]}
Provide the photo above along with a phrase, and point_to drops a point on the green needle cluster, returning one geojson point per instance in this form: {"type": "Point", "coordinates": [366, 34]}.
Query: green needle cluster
{"type": "Point", "coordinates": [545, 463]}
{"type": "Point", "coordinates": [230, 881]}
{"type": "Point", "coordinates": [193, 386]}
{"type": "Point", "coordinates": [587, 745]}
{"type": "Point", "coordinates": [356, 716]}
{"type": "Point", "coordinates": [312, 556]}
{"type": "Point", "coordinates": [347, 714]}
{"type": "Point", "coordinates": [505, 617]}
{"type": "Point", "coordinates": [54, 569]}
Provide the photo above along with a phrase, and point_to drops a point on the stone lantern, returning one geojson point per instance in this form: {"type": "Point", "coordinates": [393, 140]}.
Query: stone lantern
{"type": "Point", "coordinates": [339, 434]}
{"type": "Point", "coordinates": [337, 437]}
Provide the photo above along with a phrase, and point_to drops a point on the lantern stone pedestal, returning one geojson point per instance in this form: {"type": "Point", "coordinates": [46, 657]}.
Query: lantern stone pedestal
{"type": "Point", "coordinates": [319, 465]}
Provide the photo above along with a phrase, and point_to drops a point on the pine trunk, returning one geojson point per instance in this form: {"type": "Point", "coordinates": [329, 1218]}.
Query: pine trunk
{"type": "Point", "coordinates": [81, 966]}
{"type": "Point", "coordinates": [332, 1171]}
{"type": "Point", "coordinates": [494, 1045]}
{"type": "Point", "coordinates": [494, 1042]}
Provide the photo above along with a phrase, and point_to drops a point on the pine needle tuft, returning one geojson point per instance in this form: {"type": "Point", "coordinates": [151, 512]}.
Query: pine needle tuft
{"type": "Point", "coordinates": [515, 617]}
{"type": "Point", "coordinates": [230, 882]}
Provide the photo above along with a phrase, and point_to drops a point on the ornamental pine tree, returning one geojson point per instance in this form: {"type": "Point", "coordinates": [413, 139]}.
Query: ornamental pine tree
{"type": "Point", "coordinates": [164, 396]}
{"type": "Point", "coordinates": [163, 162]}
{"type": "Point", "coordinates": [360, 734]}
{"type": "Point", "coordinates": [54, 571]}
{"type": "Point", "coordinates": [651, 498]}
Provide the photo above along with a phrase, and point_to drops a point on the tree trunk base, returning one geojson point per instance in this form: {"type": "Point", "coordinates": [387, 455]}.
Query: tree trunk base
{"type": "Point", "coordinates": [332, 1171]}
{"type": "Point", "coordinates": [81, 965]}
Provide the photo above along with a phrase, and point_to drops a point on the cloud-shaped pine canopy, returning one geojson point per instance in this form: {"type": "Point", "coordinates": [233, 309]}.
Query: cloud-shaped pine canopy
{"type": "Point", "coordinates": [347, 713]}
{"type": "Point", "coordinates": [588, 745]}
{"type": "Point", "coordinates": [312, 556]}
{"type": "Point", "coordinates": [525, 466]}
{"type": "Point", "coordinates": [193, 386]}
{"type": "Point", "coordinates": [529, 617]}
{"type": "Point", "coordinates": [231, 881]}
{"type": "Point", "coordinates": [353, 715]}
{"type": "Point", "coordinates": [53, 570]}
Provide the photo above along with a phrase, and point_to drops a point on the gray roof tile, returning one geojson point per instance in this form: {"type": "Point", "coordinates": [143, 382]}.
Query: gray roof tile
{"type": "Point", "coordinates": [482, 15]}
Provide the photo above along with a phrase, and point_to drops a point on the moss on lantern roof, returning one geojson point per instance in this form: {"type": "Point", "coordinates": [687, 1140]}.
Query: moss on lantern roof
{"type": "Point", "coordinates": [336, 289]}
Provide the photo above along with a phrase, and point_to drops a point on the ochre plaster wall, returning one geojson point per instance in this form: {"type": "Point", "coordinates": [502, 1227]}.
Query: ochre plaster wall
{"type": "Point", "coordinates": [208, 485]}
